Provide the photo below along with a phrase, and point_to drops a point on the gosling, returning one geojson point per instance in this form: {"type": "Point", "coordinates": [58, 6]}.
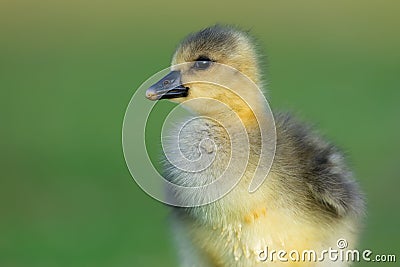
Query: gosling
{"type": "Point", "coordinates": [308, 200]}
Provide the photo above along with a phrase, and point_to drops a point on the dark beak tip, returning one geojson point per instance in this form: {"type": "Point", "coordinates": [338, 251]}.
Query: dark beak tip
{"type": "Point", "coordinates": [151, 94]}
{"type": "Point", "coordinates": [168, 87]}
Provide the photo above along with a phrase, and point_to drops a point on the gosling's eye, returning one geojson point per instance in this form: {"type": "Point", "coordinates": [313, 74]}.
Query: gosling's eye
{"type": "Point", "coordinates": [202, 63]}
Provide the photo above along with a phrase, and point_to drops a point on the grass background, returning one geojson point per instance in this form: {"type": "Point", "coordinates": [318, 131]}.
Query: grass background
{"type": "Point", "coordinates": [69, 68]}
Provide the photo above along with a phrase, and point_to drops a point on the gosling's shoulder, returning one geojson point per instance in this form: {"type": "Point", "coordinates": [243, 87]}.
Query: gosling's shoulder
{"type": "Point", "coordinates": [315, 168]}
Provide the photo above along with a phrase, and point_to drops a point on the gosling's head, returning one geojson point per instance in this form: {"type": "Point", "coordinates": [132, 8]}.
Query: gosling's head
{"type": "Point", "coordinates": [213, 63]}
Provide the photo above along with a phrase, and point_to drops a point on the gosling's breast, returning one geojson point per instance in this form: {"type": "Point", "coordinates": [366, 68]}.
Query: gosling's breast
{"type": "Point", "coordinates": [197, 151]}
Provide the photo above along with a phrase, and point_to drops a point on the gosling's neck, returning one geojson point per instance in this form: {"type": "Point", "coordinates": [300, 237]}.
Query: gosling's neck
{"type": "Point", "coordinates": [231, 111]}
{"type": "Point", "coordinates": [237, 120]}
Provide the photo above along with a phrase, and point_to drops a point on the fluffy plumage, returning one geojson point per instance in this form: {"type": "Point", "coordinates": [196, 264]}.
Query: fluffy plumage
{"type": "Point", "coordinates": [308, 201]}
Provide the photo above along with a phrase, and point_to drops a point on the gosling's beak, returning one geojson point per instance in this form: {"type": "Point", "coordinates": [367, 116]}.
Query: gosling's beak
{"type": "Point", "coordinates": [168, 87]}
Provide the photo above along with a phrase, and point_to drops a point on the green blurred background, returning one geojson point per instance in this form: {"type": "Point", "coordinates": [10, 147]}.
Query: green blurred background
{"type": "Point", "coordinates": [69, 68]}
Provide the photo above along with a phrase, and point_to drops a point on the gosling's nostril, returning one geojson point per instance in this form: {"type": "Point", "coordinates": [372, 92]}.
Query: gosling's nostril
{"type": "Point", "coordinates": [168, 87]}
{"type": "Point", "coordinates": [167, 83]}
